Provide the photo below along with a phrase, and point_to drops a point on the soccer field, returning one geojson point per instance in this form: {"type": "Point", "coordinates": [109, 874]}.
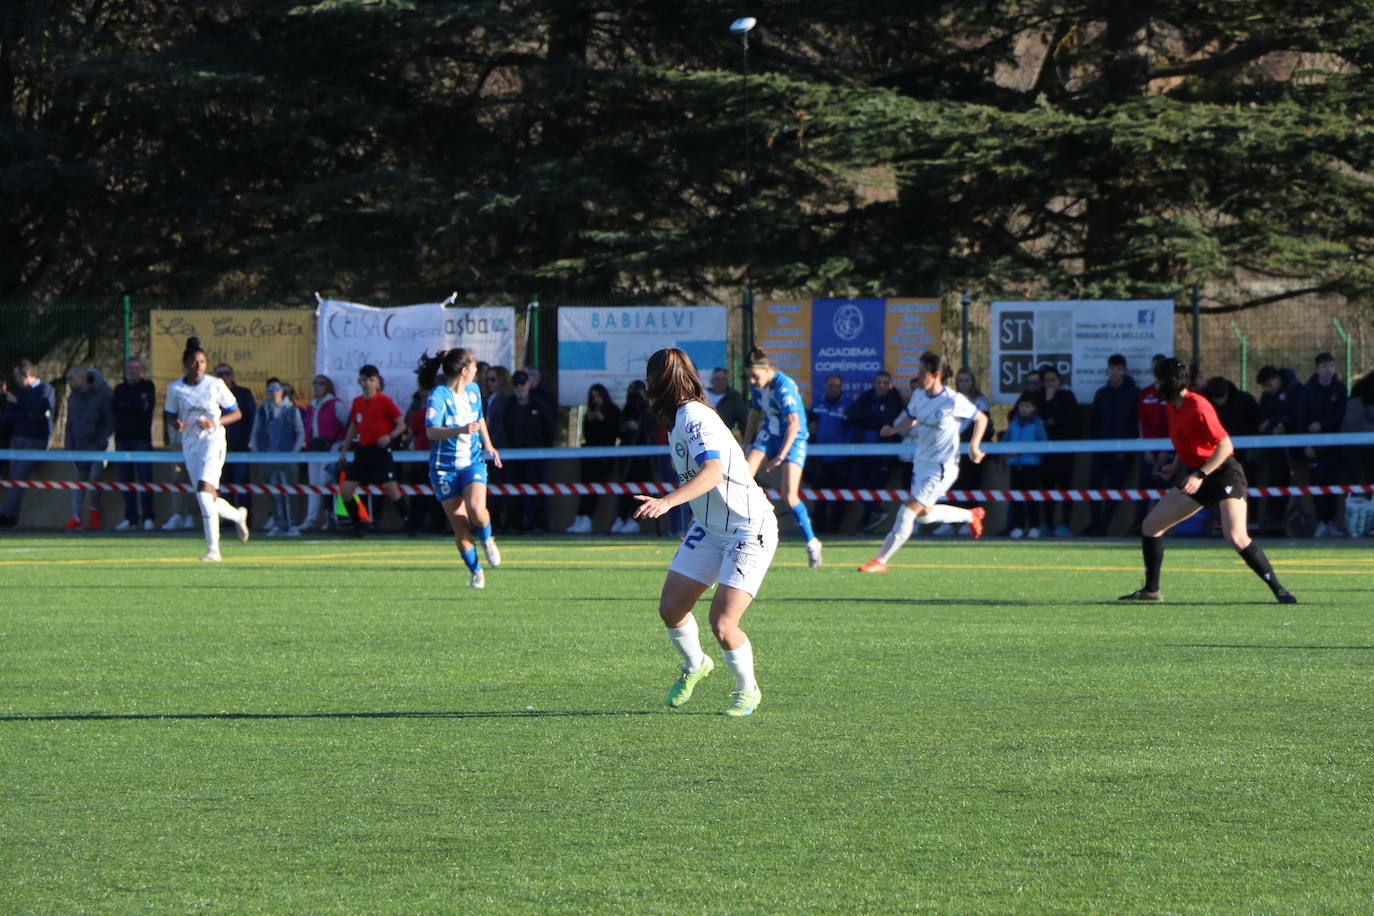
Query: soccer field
{"type": "Point", "coordinates": [343, 726]}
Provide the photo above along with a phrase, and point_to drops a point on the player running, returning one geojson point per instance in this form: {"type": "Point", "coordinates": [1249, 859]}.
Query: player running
{"type": "Point", "coordinates": [777, 431]}
{"type": "Point", "coordinates": [937, 412]}
{"type": "Point", "coordinates": [457, 431]}
{"type": "Point", "coordinates": [1204, 473]}
{"type": "Point", "coordinates": [200, 406]}
{"type": "Point", "coordinates": [732, 539]}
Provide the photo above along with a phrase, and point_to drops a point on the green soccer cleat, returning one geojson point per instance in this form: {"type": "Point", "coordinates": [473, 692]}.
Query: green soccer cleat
{"type": "Point", "coordinates": [682, 688]}
{"type": "Point", "coordinates": [743, 702]}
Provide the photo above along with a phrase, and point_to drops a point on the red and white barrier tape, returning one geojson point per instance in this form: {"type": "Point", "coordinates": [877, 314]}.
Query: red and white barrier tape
{"type": "Point", "coordinates": [602, 489]}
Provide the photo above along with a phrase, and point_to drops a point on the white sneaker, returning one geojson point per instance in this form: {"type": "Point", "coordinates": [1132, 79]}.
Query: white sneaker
{"type": "Point", "coordinates": [271, 525]}
{"type": "Point", "coordinates": [576, 526]}
{"type": "Point", "coordinates": [617, 526]}
{"type": "Point", "coordinates": [148, 524]}
{"type": "Point", "coordinates": [242, 524]}
{"type": "Point", "coordinates": [1320, 530]}
{"type": "Point", "coordinates": [963, 530]}
{"type": "Point", "coordinates": [1017, 533]}
{"type": "Point", "coordinates": [813, 552]}
{"type": "Point", "coordinates": [943, 531]}
{"type": "Point", "coordinates": [290, 532]}
{"type": "Point", "coordinates": [173, 523]}
{"type": "Point", "coordinates": [1034, 532]}
{"type": "Point", "coordinates": [630, 527]}
{"type": "Point", "coordinates": [189, 522]}
{"type": "Point", "coordinates": [274, 531]}
{"type": "Point", "coordinates": [211, 556]}
{"type": "Point", "coordinates": [126, 525]}
{"type": "Point", "coordinates": [492, 552]}
{"type": "Point", "coordinates": [478, 580]}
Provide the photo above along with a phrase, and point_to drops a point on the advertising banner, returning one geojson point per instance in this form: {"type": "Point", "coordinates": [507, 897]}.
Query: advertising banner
{"type": "Point", "coordinates": [612, 345]}
{"type": "Point", "coordinates": [1076, 337]}
{"type": "Point", "coordinates": [258, 344]}
{"type": "Point", "coordinates": [393, 339]}
{"type": "Point", "coordinates": [852, 338]}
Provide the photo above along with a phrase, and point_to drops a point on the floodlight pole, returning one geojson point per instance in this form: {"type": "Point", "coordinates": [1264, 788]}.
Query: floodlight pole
{"type": "Point", "coordinates": [742, 28]}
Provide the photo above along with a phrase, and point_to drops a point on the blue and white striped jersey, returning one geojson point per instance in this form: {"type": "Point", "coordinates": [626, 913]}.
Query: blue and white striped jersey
{"type": "Point", "coordinates": [777, 399]}
{"type": "Point", "coordinates": [736, 505]}
{"type": "Point", "coordinates": [447, 409]}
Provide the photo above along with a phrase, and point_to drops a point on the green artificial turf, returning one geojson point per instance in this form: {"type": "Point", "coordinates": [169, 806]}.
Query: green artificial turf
{"type": "Point", "coordinates": [343, 726]}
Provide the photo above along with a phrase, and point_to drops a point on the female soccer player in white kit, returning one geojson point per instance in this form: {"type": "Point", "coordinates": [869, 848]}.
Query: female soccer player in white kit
{"type": "Point", "coordinates": [200, 406]}
{"type": "Point", "coordinates": [937, 412]}
{"type": "Point", "coordinates": [731, 540]}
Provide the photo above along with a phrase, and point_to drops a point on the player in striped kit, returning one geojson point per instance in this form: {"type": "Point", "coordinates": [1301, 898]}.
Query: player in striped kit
{"type": "Point", "coordinates": [457, 430]}
{"type": "Point", "coordinates": [777, 434]}
{"type": "Point", "coordinates": [937, 411]}
{"type": "Point", "coordinates": [199, 406]}
{"type": "Point", "coordinates": [732, 539]}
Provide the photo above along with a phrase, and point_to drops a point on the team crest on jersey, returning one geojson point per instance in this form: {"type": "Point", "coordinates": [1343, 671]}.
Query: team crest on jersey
{"type": "Point", "coordinates": [472, 396]}
{"type": "Point", "coordinates": [681, 450]}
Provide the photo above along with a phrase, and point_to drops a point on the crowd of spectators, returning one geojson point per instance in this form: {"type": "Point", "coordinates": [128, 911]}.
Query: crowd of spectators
{"type": "Point", "coordinates": [521, 413]}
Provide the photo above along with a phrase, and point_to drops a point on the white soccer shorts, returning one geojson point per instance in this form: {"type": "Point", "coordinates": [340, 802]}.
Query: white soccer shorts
{"type": "Point", "coordinates": [737, 560]}
{"type": "Point", "coordinates": [204, 459]}
{"type": "Point", "coordinates": [930, 482]}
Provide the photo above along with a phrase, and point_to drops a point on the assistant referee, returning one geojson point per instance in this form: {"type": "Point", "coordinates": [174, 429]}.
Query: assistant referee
{"type": "Point", "coordinates": [1204, 473]}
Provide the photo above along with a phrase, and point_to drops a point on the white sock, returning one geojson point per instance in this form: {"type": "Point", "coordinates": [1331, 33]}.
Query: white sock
{"type": "Point", "coordinates": [943, 513]}
{"type": "Point", "coordinates": [687, 641]}
{"type": "Point", "coordinates": [226, 511]}
{"type": "Point", "coordinates": [741, 664]}
{"type": "Point", "coordinates": [209, 519]}
{"type": "Point", "coordinates": [901, 530]}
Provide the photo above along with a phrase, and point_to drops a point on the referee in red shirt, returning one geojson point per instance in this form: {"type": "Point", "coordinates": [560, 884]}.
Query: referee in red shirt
{"type": "Point", "coordinates": [1204, 473]}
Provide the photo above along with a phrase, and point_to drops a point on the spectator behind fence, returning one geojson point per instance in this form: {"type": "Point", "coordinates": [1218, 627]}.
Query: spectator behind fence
{"type": "Point", "coordinates": [496, 387]}
{"type": "Point", "coordinates": [600, 429]}
{"type": "Point", "coordinates": [1278, 416]}
{"type": "Point", "coordinates": [728, 403]}
{"type": "Point", "coordinates": [638, 426]}
{"type": "Point", "coordinates": [132, 405]}
{"type": "Point", "coordinates": [1024, 425]}
{"type": "Point", "coordinates": [1153, 423]}
{"type": "Point", "coordinates": [90, 424]}
{"type": "Point", "coordinates": [277, 427]}
{"type": "Point", "coordinates": [829, 425]}
{"type": "Point", "coordinates": [1359, 418]}
{"type": "Point", "coordinates": [1113, 417]}
{"type": "Point", "coordinates": [1059, 411]}
{"type": "Point", "coordinates": [528, 423]}
{"type": "Point", "coordinates": [28, 407]}
{"type": "Point", "coordinates": [1239, 415]}
{"type": "Point", "coordinates": [877, 407]}
{"type": "Point", "coordinates": [970, 472]}
{"type": "Point", "coordinates": [1321, 409]}
{"type": "Point", "coordinates": [325, 419]}
{"type": "Point", "coordinates": [238, 436]}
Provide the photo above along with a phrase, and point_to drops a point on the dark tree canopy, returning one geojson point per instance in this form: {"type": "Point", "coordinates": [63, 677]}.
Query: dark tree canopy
{"type": "Point", "coordinates": [264, 148]}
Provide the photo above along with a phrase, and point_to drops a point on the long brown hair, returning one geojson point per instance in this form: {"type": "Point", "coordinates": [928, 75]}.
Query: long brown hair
{"type": "Point", "coordinates": [673, 381]}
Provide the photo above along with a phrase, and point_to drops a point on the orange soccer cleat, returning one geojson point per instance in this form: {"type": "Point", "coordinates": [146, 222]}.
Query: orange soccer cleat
{"type": "Point", "coordinates": [975, 524]}
{"type": "Point", "coordinates": [873, 566]}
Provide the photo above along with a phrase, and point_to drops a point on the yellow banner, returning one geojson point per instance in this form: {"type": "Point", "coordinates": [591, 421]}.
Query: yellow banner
{"type": "Point", "coordinates": [257, 344]}
{"type": "Point", "coordinates": [783, 331]}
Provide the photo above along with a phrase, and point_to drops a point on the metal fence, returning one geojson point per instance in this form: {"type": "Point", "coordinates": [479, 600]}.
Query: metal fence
{"type": "Point", "coordinates": [1289, 334]}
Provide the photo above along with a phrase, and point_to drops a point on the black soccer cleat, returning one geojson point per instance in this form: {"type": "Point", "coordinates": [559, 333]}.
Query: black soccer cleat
{"type": "Point", "coordinates": [1141, 595]}
{"type": "Point", "coordinates": [1284, 596]}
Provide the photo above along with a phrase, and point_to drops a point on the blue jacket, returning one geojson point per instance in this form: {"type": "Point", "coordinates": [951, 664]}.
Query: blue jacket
{"type": "Point", "coordinates": [1114, 411]}
{"type": "Point", "coordinates": [832, 423]}
{"type": "Point", "coordinates": [278, 428]}
{"type": "Point", "coordinates": [1019, 430]}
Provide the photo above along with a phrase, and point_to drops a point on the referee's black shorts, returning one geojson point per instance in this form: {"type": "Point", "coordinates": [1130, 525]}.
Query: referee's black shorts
{"type": "Point", "coordinates": [1226, 482]}
{"type": "Point", "coordinates": [370, 464]}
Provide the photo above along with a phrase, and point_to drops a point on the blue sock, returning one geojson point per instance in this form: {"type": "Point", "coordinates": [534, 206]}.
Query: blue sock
{"type": "Point", "coordinates": [481, 533]}
{"type": "Point", "coordinates": [803, 521]}
{"type": "Point", "coordinates": [470, 558]}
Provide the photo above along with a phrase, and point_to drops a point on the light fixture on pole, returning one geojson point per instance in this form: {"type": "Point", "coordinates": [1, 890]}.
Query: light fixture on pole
{"type": "Point", "coordinates": [742, 27]}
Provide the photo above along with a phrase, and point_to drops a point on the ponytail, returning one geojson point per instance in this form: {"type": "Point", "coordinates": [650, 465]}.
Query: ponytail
{"type": "Point", "coordinates": [192, 348]}
{"type": "Point", "coordinates": [757, 359]}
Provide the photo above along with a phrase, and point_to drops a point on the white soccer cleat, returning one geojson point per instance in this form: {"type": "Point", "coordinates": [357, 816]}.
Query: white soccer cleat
{"type": "Point", "coordinates": [492, 553]}
{"type": "Point", "coordinates": [241, 524]}
{"type": "Point", "coordinates": [173, 523]}
{"type": "Point", "coordinates": [211, 556]}
{"type": "Point", "coordinates": [478, 580]}
{"type": "Point", "coordinates": [813, 552]}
